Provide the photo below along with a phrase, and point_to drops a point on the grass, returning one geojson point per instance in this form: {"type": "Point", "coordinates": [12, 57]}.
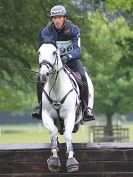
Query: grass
{"type": "Point", "coordinates": [36, 133]}
{"type": "Point", "coordinates": [130, 127]}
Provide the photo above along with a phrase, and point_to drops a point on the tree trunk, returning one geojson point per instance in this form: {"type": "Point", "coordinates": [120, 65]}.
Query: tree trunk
{"type": "Point", "coordinates": [108, 131]}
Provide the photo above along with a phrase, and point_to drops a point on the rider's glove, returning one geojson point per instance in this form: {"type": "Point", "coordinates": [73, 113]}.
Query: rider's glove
{"type": "Point", "coordinates": [65, 59]}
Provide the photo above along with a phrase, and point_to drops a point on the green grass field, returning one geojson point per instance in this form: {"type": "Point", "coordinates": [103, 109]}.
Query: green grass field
{"type": "Point", "coordinates": [36, 133]}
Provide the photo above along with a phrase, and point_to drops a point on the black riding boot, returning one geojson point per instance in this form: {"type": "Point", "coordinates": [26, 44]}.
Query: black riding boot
{"type": "Point", "coordinates": [87, 112]}
{"type": "Point", "coordinates": [37, 110]}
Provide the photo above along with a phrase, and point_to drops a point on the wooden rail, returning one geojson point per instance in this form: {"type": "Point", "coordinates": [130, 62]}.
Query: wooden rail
{"type": "Point", "coordinates": [96, 160]}
{"type": "Point", "coordinates": [100, 135]}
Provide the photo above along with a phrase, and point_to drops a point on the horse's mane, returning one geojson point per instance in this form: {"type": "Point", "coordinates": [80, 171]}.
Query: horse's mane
{"type": "Point", "coordinates": [48, 40]}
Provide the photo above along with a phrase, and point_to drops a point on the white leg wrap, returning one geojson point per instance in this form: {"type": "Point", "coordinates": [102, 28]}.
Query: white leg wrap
{"type": "Point", "coordinates": [54, 152]}
{"type": "Point", "coordinates": [70, 154]}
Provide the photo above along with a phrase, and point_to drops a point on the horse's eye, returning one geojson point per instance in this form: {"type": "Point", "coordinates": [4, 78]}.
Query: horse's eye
{"type": "Point", "coordinates": [54, 53]}
{"type": "Point", "coordinates": [38, 52]}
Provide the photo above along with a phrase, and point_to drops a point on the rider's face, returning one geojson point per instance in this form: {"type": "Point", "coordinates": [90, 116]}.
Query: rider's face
{"type": "Point", "coordinates": [58, 21]}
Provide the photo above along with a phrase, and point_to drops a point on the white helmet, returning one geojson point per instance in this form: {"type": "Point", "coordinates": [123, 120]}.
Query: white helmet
{"type": "Point", "coordinates": [57, 11]}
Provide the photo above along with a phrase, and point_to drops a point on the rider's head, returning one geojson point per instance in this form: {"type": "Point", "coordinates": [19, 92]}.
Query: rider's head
{"type": "Point", "coordinates": [58, 15]}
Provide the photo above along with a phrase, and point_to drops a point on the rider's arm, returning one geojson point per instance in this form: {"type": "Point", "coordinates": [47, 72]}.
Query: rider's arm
{"type": "Point", "coordinates": [42, 34]}
{"type": "Point", "coordinates": [76, 43]}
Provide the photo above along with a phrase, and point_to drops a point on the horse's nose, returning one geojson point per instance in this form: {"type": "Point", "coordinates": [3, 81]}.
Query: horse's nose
{"type": "Point", "coordinates": [47, 75]}
{"type": "Point", "coordinates": [44, 77]}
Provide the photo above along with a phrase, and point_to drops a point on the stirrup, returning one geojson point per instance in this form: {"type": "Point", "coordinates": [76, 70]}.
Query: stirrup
{"type": "Point", "coordinates": [88, 117]}
{"type": "Point", "coordinates": [36, 113]}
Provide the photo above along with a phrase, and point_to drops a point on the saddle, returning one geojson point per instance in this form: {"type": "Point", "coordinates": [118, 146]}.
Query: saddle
{"type": "Point", "coordinates": [78, 79]}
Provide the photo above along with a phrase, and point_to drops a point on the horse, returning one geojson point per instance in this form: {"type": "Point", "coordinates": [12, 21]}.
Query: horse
{"type": "Point", "coordinates": [61, 106]}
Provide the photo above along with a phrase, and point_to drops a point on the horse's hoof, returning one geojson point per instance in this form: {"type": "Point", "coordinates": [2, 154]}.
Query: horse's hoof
{"type": "Point", "coordinates": [72, 168]}
{"type": "Point", "coordinates": [72, 165]}
{"type": "Point", "coordinates": [54, 164]}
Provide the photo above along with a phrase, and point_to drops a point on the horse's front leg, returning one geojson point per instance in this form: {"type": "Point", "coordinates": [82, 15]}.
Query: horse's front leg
{"type": "Point", "coordinates": [72, 163]}
{"type": "Point", "coordinates": [54, 161]}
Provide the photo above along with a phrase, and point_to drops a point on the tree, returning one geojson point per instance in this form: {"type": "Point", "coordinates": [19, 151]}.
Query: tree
{"type": "Point", "coordinates": [106, 47]}
{"type": "Point", "coordinates": [20, 23]}
{"type": "Point", "coordinates": [109, 58]}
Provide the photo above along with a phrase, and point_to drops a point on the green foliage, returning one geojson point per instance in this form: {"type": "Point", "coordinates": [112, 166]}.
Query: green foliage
{"type": "Point", "coordinates": [121, 5]}
{"type": "Point", "coordinates": [16, 94]}
{"type": "Point", "coordinates": [108, 56]}
{"type": "Point", "coordinates": [20, 23]}
{"type": "Point", "coordinates": [106, 51]}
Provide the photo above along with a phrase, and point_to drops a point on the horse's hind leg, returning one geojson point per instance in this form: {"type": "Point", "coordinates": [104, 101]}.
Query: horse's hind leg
{"type": "Point", "coordinates": [54, 161]}
{"type": "Point", "coordinates": [72, 163]}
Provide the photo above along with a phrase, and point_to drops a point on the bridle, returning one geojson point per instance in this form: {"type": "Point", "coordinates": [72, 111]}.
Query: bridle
{"type": "Point", "coordinates": [56, 104]}
{"type": "Point", "coordinates": [48, 64]}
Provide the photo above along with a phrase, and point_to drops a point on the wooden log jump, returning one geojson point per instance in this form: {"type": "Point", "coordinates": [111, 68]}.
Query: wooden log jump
{"type": "Point", "coordinates": [96, 160]}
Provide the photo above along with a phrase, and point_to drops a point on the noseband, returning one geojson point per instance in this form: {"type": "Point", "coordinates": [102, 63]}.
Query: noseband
{"type": "Point", "coordinates": [47, 63]}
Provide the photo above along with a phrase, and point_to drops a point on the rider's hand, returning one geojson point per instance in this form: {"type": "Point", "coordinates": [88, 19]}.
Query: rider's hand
{"type": "Point", "coordinates": [65, 59]}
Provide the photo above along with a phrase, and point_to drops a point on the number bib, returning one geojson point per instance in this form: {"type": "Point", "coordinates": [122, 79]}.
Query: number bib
{"type": "Point", "coordinates": [65, 47]}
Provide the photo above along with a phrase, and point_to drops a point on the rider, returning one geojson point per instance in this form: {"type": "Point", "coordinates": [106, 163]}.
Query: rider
{"type": "Point", "coordinates": [67, 38]}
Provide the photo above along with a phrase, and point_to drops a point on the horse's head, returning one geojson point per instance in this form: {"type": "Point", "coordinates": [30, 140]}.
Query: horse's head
{"type": "Point", "coordinates": [49, 60]}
